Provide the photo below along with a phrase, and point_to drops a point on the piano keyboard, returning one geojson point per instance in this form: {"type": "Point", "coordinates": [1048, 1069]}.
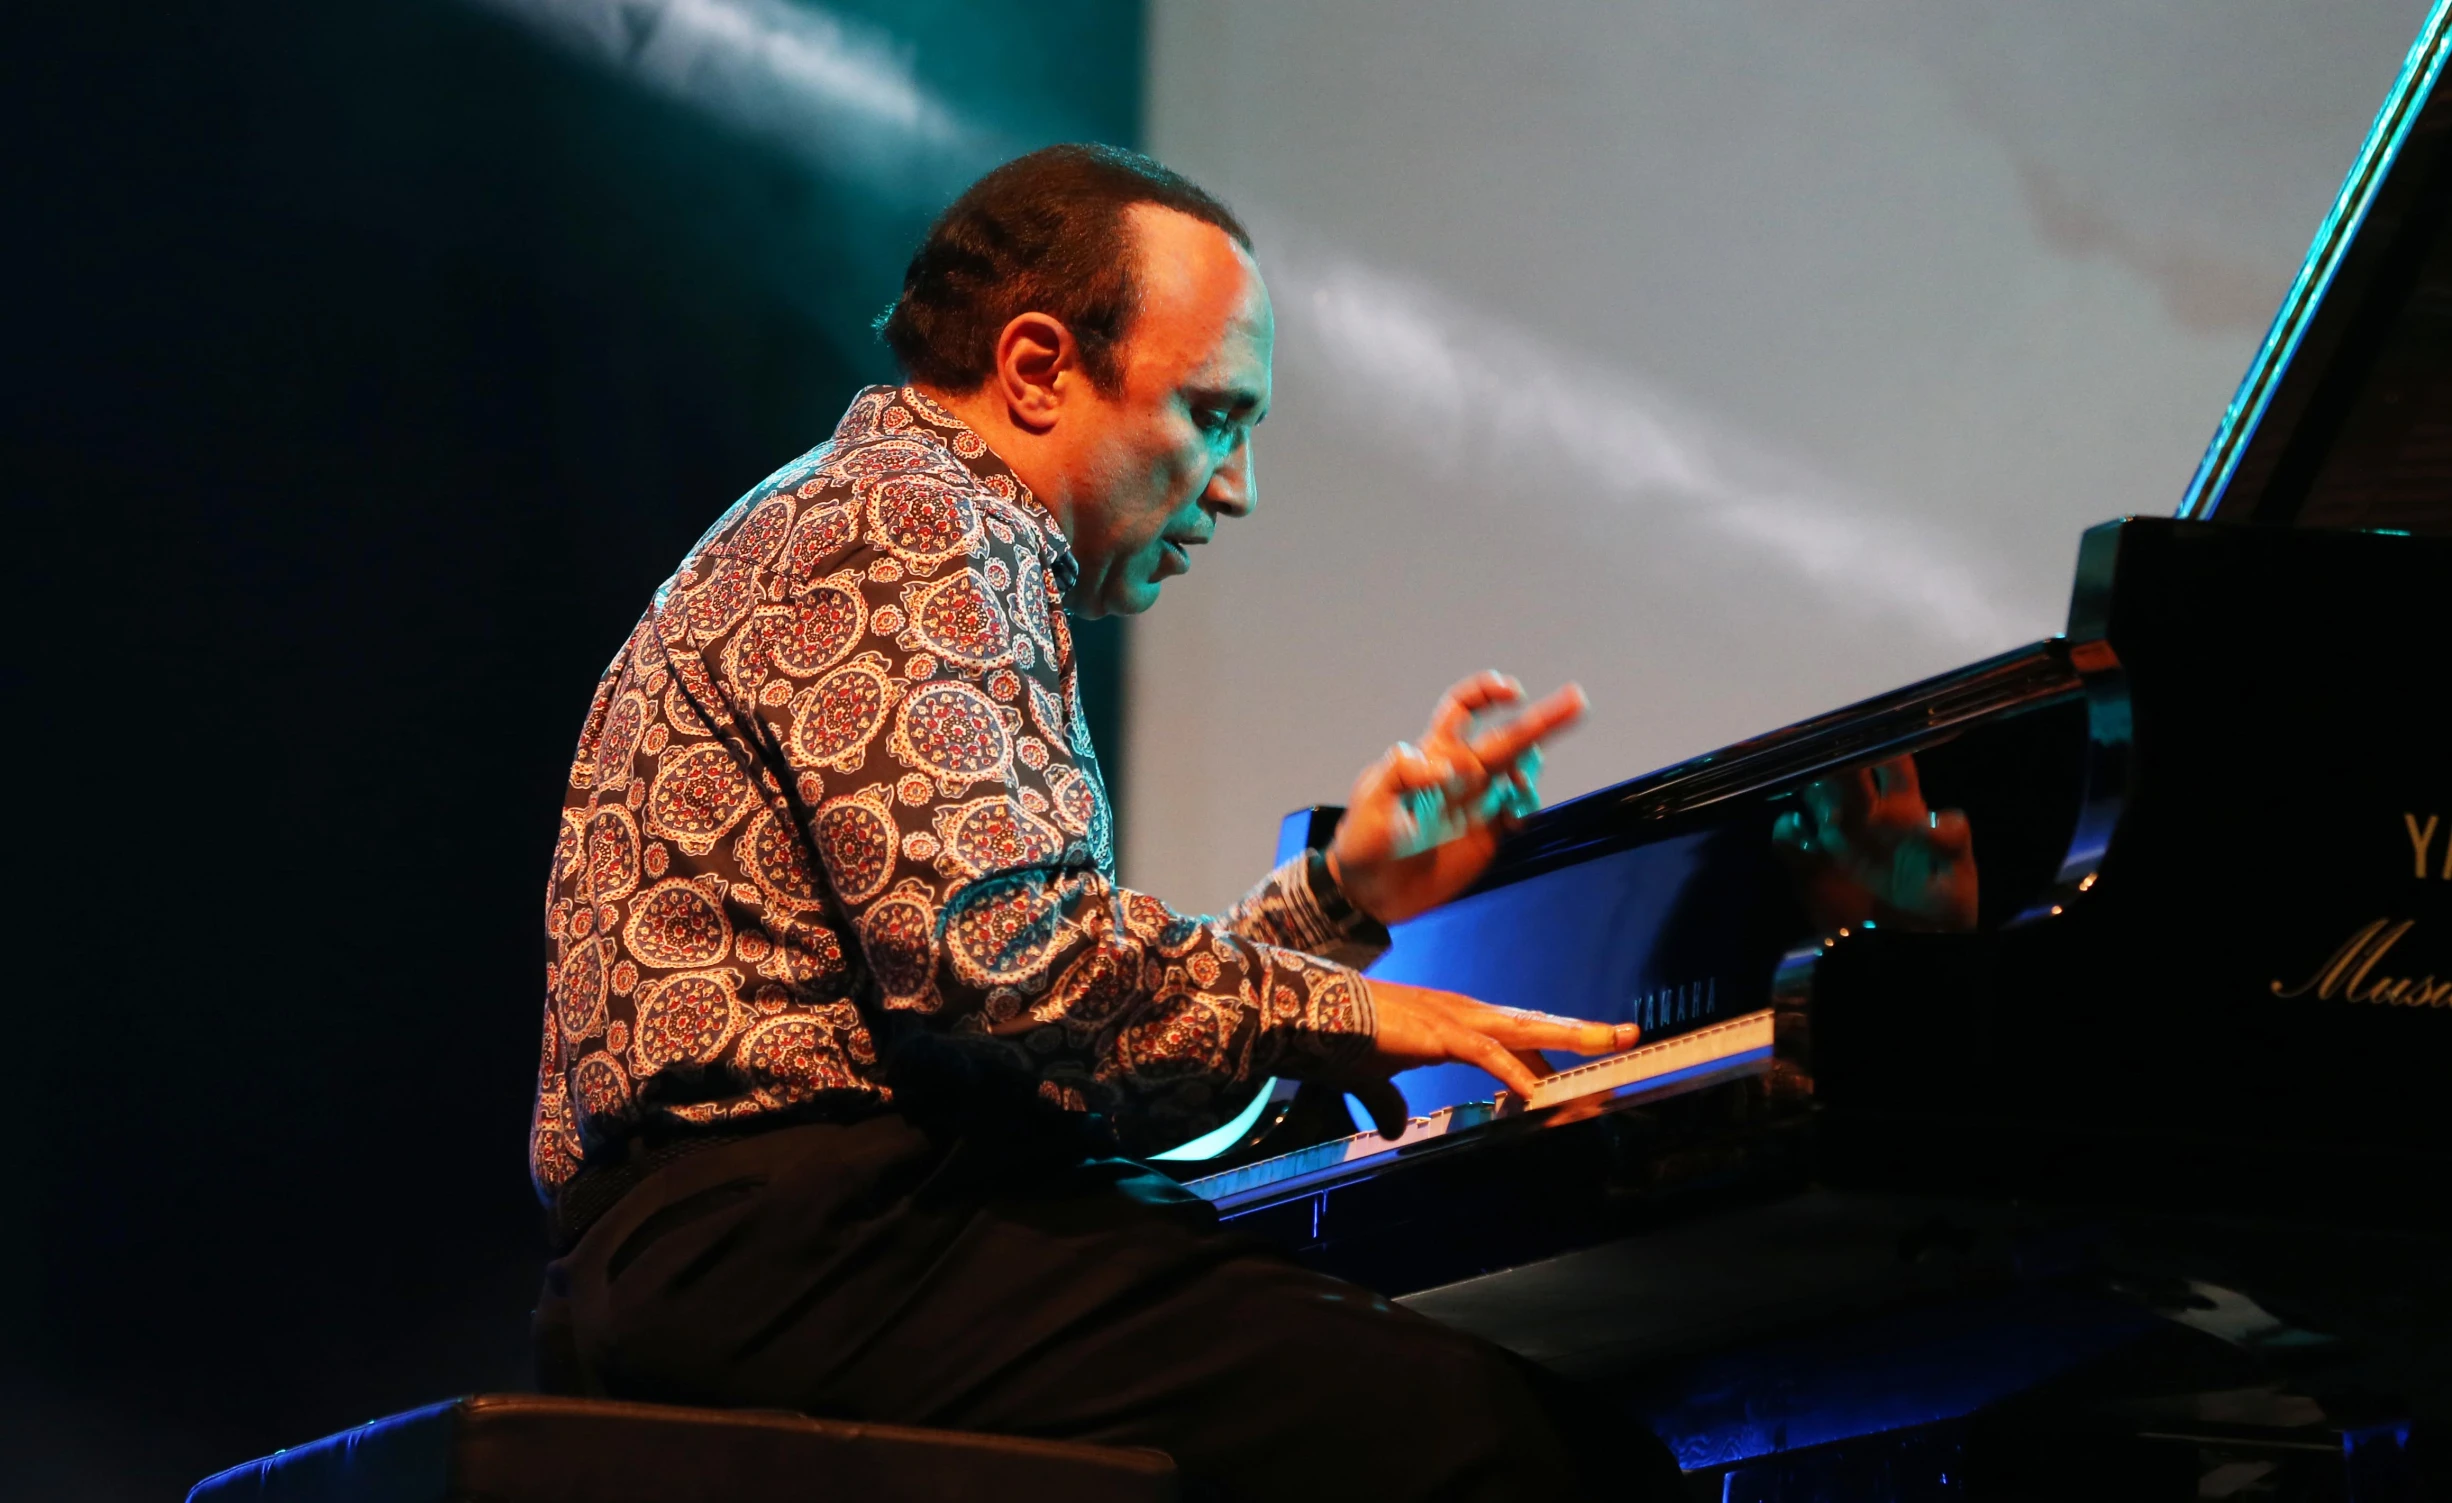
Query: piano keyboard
{"type": "Point", "coordinates": [1689, 1061]}
{"type": "Point", "coordinates": [1719, 1044]}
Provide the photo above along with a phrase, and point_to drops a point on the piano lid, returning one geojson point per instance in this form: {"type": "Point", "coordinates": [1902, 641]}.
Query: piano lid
{"type": "Point", "coordinates": [2344, 418]}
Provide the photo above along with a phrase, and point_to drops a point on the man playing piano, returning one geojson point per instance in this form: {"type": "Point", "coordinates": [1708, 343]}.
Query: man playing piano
{"type": "Point", "coordinates": [849, 1026]}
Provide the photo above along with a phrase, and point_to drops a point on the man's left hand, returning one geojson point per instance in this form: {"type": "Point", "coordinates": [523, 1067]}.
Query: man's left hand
{"type": "Point", "coordinates": [1424, 821]}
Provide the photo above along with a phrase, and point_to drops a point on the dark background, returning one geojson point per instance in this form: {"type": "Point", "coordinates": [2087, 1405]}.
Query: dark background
{"type": "Point", "coordinates": [368, 367]}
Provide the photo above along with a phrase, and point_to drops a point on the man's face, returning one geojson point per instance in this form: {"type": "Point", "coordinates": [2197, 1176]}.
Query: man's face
{"type": "Point", "coordinates": [1159, 460]}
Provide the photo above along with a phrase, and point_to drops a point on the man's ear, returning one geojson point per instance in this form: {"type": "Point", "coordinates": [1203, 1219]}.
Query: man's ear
{"type": "Point", "coordinates": [1034, 355]}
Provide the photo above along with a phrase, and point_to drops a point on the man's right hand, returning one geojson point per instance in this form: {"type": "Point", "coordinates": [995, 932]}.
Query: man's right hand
{"type": "Point", "coordinates": [1424, 822]}
{"type": "Point", "coordinates": [1419, 1026]}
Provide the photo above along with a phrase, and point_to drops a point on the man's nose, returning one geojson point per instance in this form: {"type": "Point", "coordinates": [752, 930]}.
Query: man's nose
{"type": "Point", "coordinates": [1233, 489]}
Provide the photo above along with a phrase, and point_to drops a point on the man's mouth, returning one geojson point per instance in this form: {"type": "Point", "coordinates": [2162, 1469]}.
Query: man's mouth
{"type": "Point", "coordinates": [1176, 551]}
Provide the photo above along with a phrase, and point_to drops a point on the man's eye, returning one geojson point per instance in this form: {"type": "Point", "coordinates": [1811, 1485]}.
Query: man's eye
{"type": "Point", "coordinates": [1212, 419]}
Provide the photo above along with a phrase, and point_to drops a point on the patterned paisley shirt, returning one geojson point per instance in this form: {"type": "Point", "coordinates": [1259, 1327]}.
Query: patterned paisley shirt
{"type": "Point", "coordinates": [836, 788]}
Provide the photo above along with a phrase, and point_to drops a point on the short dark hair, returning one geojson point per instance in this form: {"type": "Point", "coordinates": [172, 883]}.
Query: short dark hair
{"type": "Point", "coordinates": [1043, 233]}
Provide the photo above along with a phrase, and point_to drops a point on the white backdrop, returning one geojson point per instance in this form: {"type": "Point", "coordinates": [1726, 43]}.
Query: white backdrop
{"type": "Point", "coordinates": [1736, 358]}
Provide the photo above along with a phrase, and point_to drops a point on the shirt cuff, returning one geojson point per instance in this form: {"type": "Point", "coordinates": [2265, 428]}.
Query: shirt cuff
{"type": "Point", "coordinates": [1323, 920]}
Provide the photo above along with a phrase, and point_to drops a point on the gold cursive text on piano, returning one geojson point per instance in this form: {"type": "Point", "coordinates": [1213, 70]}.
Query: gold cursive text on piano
{"type": "Point", "coordinates": [2350, 974]}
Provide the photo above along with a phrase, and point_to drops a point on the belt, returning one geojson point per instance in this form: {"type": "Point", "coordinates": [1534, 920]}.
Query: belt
{"type": "Point", "coordinates": [581, 1203]}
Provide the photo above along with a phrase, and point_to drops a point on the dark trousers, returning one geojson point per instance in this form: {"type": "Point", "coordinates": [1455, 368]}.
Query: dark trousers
{"type": "Point", "coordinates": [1006, 1281]}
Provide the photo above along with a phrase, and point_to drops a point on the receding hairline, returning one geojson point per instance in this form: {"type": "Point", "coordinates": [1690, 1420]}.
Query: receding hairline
{"type": "Point", "coordinates": [1048, 232]}
{"type": "Point", "coordinates": [1141, 215]}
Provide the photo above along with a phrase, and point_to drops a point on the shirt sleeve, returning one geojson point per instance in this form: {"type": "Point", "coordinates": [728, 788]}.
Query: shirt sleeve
{"type": "Point", "coordinates": [1299, 906]}
{"type": "Point", "coordinates": [950, 795]}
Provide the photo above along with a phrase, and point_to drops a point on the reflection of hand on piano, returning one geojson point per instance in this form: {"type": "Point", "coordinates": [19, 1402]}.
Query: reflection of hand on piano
{"type": "Point", "coordinates": [1423, 822]}
{"type": "Point", "coordinates": [1419, 1026]}
{"type": "Point", "coordinates": [1865, 847]}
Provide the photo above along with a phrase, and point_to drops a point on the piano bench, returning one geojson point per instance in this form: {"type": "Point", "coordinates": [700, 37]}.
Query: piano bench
{"type": "Point", "coordinates": [528, 1448]}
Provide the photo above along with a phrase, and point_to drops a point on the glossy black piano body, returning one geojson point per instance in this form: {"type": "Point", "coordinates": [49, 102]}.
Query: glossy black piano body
{"type": "Point", "coordinates": [2186, 1079]}
{"type": "Point", "coordinates": [2187, 810]}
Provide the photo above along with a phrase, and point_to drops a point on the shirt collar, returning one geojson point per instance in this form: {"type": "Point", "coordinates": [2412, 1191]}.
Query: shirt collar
{"type": "Point", "coordinates": [883, 411]}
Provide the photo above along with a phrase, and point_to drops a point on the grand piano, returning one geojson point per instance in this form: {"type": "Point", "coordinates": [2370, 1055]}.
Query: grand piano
{"type": "Point", "coordinates": [2128, 1174]}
